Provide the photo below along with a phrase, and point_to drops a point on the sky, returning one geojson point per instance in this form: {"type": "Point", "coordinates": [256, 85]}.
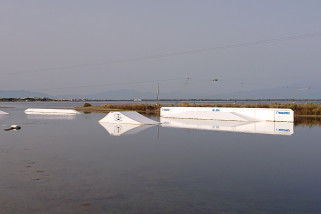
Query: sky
{"type": "Point", "coordinates": [84, 47]}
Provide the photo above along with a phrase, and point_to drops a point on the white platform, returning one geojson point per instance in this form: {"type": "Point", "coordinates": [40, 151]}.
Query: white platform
{"type": "Point", "coordinates": [127, 117]}
{"type": "Point", "coordinates": [51, 111]}
{"type": "Point", "coordinates": [262, 127]}
{"type": "Point", "coordinates": [229, 114]}
{"type": "Point", "coordinates": [51, 116]}
{"type": "Point", "coordinates": [2, 112]}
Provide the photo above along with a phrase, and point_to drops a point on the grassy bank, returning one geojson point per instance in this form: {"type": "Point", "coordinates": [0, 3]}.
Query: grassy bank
{"type": "Point", "coordinates": [307, 121]}
{"type": "Point", "coordinates": [308, 109]}
{"type": "Point", "coordinates": [141, 108]}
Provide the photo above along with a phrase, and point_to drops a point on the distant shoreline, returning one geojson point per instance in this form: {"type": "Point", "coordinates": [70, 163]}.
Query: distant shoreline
{"type": "Point", "coordinates": [36, 99]}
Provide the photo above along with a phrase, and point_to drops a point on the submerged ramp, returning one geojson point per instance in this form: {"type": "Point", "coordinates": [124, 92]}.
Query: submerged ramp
{"type": "Point", "coordinates": [2, 112]}
{"type": "Point", "coordinates": [229, 114]}
{"type": "Point", "coordinates": [127, 117]}
{"type": "Point", "coordinates": [51, 111]}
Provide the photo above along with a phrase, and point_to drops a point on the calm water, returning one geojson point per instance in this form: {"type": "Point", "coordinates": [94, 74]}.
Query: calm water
{"type": "Point", "coordinates": [73, 165]}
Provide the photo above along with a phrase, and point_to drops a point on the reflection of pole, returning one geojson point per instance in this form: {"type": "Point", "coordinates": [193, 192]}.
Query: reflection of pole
{"type": "Point", "coordinates": [157, 93]}
{"type": "Point", "coordinates": [158, 132]}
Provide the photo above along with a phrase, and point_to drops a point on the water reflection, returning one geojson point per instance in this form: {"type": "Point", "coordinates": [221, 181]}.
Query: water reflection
{"type": "Point", "coordinates": [74, 166]}
{"type": "Point", "coordinates": [123, 129]}
{"type": "Point", "coordinates": [3, 113]}
{"type": "Point", "coordinates": [2, 116]}
{"type": "Point", "coordinates": [264, 127]}
{"type": "Point", "coordinates": [307, 121]}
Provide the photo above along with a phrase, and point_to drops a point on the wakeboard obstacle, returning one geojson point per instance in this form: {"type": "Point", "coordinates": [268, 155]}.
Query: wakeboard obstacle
{"type": "Point", "coordinates": [119, 123]}
{"type": "Point", "coordinates": [2, 112]}
{"type": "Point", "coordinates": [229, 114]}
{"type": "Point", "coordinates": [127, 117]}
{"type": "Point", "coordinates": [51, 111]}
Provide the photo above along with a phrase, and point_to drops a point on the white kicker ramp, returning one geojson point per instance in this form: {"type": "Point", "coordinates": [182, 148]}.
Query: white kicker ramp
{"type": "Point", "coordinates": [2, 112]}
{"type": "Point", "coordinates": [51, 111]}
{"type": "Point", "coordinates": [229, 114]}
{"type": "Point", "coordinates": [51, 116]}
{"type": "Point", "coordinates": [127, 117]}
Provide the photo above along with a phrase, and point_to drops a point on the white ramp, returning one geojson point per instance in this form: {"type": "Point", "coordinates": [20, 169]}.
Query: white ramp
{"type": "Point", "coordinates": [51, 116]}
{"type": "Point", "coordinates": [127, 117]}
{"type": "Point", "coordinates": [51, 111]}
{"type": "Point", "coordinates": [2, 112]}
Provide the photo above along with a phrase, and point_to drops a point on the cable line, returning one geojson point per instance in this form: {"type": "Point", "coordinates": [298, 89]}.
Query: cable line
{"type": "Point", "coordinates": [165, 55]}
{"type": "Point", "coordinates": [110, 84]}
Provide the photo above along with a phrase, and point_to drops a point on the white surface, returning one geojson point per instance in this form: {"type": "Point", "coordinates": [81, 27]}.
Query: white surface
{"type": "Point", "coordinates": [123, 129]}
{"type": "Point", "coordinates": [229, 114]}
{"type": "Point", "coordinates": [51, 116]}
{"type": "Point", "coordinates": [262, 127]}
{"type": "Point", "coordinates": [51, 111]}
{"type": "Point", "coordinates": [126, 117]}
{"type": "Point", "coordinates": [2, 112]}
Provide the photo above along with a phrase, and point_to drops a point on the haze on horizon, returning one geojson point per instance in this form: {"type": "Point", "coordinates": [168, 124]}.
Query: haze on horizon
{"type": "Point", "coordinates": [83, 47]}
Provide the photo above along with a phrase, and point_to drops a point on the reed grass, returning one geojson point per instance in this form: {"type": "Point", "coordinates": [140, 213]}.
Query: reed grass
{"type": "Point", "coordinates": [141, 108]}
{"type": "Point", "coordinates": [307, 121]}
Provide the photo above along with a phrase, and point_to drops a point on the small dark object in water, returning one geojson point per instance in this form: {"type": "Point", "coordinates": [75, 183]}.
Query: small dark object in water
{"type": "Point", "coordinates": [13, 127]}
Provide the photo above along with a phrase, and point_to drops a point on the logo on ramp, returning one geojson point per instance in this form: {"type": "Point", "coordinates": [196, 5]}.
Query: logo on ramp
{"type": "Point", "coordinates": [118, 117]}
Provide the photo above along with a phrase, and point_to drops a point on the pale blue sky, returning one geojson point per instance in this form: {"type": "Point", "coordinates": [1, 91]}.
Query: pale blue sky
{"type": "Point", "coordinates": [79, 46]}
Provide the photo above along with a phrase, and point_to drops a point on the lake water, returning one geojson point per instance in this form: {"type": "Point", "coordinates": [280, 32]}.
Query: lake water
{"type": "Point", "coordinates": [58, 164]}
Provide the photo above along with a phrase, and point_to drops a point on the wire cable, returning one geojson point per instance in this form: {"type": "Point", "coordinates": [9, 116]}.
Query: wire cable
{"type": "Point", "coordinates": [172, 54]}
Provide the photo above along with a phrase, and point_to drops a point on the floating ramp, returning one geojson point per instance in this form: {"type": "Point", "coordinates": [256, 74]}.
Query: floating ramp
{"type": "Point", "coordinates": [261, 127]}
{"type": "Point", "coordinates": [119, 123]}
{"type": "Point", "coordinates": [51, 116]}
{"type": "Point", "coordinates": [51, 111]}
{"type": "Point", "coordinates": [127, 117]}
{"type": "Point", "coordinates": [229, 114]}
{"type": "Point", "coordinates": [2, 112]}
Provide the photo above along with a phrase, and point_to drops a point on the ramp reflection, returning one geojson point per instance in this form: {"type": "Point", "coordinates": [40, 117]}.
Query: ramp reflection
{"type": "Point", "coordinates": [123, 129]}
{"type": "Point", "coordinates": [2, 117]}
{"type": "Point", "coordinates": [262, 127]}
{"type": "Point", "coordinates": [3, 113]}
